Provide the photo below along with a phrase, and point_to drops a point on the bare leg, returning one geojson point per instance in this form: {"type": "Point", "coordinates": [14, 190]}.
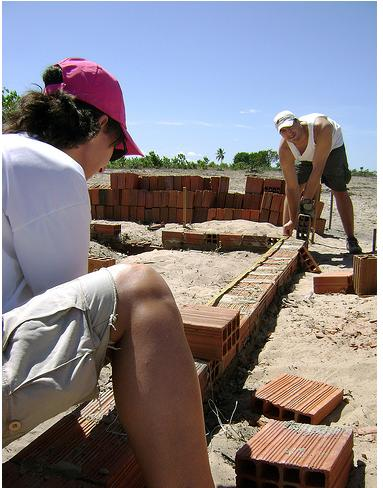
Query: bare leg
{"type": "Point", "coordinates": [346, 211]}
{"type": "Point", "coordinates": [155, 383]}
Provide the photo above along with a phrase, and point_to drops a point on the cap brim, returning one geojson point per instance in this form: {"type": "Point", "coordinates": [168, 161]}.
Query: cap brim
{"type": "Point", "coordinates": [285, 123]}
{"type": "Point", "coordinates": [131, 148]}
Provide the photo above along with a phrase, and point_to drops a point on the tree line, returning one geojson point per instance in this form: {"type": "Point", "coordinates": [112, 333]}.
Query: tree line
{"type": "Point", "coordinates": [251, 161]}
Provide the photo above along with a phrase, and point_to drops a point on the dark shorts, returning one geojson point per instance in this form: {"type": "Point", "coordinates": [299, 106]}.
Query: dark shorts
{"type": "Point", "coordinates": [336, 173]}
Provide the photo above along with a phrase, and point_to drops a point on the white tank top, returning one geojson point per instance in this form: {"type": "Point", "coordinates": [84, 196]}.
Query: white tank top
{"type": "Point", "coordinates": [308, 155]}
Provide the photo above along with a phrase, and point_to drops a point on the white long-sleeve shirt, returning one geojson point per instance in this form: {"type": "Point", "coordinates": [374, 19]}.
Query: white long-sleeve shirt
{"type": "Point", "coordinates": [45, 219]}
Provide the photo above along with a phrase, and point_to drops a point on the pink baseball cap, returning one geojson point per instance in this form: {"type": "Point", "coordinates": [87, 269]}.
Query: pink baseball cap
{"type": "Point", "coordinates": [92, 84]}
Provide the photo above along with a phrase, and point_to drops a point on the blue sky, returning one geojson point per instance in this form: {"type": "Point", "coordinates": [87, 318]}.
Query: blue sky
{"type": "Point", "coordinates": [198, 76]}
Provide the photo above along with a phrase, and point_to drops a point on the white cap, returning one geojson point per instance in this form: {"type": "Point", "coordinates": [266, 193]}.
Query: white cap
{"type": "Point", "coordinates": [284, 119]}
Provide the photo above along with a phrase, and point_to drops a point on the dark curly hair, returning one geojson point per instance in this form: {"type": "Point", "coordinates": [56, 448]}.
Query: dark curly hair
{"type": "Point", "coordinates": [59, 119]}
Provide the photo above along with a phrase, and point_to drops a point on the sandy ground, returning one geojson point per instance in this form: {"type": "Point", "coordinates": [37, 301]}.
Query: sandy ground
{"type": "Point", "coordinates": [330, 338]}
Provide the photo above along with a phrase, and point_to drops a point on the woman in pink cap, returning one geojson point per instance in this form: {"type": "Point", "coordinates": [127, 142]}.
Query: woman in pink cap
{"type": "Point", "coordinates": [59, 321]}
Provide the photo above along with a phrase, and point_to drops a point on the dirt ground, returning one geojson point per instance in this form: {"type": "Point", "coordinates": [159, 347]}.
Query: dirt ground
{"type": "Point", "coordinates": [330, 338]}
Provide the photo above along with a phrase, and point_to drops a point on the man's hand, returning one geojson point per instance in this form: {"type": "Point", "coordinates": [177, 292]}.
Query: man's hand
{"type": "Point", "coordinates": [288, 228]}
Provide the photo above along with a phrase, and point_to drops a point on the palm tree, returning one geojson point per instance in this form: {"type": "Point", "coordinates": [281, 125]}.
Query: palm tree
{"type": "Point", "coordinates": [220, 155]}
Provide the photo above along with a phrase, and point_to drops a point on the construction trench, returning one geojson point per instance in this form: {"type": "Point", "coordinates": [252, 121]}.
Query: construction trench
{"type": "Point", "coordinates": [222, 334]}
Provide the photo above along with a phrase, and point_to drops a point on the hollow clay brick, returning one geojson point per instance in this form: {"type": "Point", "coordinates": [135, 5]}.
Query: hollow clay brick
{"type": "Point", "coordinates": [289, 397]}
{"type": "Point", "coordinates": [340, 281]}
{"type": "Point", "coordinates": [365, 274]}
{"type": "Point", "coordinates": [287, 454]}
{"type": "Point", "coordinates": [95, 263]}
{"type": "Point", "coordinates": [254, 185]}
{"type": "Point", "coordinates": [212, 332]}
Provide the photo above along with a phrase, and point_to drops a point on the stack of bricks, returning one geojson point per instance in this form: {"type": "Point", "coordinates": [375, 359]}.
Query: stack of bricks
{"type": "Point", "coordinates": [161, 199]}
{"type": "Point", "coordinates": [206, 241]}
{"type": "Point", "coordinates": [150, 199]}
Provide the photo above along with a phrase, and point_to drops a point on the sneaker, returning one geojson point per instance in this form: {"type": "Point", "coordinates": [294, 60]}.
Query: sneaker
{"type": "Point", "coordinates": [353, 246]}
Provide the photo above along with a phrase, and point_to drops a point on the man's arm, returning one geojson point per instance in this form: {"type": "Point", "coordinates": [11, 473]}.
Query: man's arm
{"type": "Point", "coordinates": [287, 163]}
{"type": "Point", "coordinates": [323, 142]}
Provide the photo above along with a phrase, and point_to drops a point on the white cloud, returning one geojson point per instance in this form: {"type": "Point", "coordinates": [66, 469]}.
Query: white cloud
{"type": "Point", "coordinates": [166, 122]}
{"type": "Point", "coordinates": [242, 126]}
{"type": "Point", "coordinates": [249, 111]}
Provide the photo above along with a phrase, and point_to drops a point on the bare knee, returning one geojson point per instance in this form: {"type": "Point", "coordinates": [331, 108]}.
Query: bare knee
{"type": "Point", "coordinates": [139, 289]}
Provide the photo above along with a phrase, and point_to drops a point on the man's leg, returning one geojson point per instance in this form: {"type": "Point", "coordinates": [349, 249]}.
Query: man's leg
{"type": "Point", "coordinates": [155, 382]}
{"type": "Point", "coordinates": [346, 211]}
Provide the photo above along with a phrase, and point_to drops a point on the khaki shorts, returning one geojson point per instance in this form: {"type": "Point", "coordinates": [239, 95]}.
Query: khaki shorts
{"type": "Point", "coordinates": [54, 347]}
{"type": "Point", "coordinates": [336, 173]}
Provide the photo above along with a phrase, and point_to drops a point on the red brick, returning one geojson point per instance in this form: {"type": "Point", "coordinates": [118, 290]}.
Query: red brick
{"type": "Point", "coordinates": [320, 225]}
{"type": "Point", "coordinates": [290, 397]}
{"type": "Point", "coordinates": [95, 263]}
{"type": "Point", "coordinates": [172, 216]}
{"type": "Point", "coordinates": [252, 201]}
{"type": "Point", "coordinates": [131, 181]}
{"type": "Point", "coordinates": [200, 214]}
{"type": "Point", "coordinates": [198, 198]}
{"type": "Point", "coordinates": [108, 212]}
{"type": "Point", "coordinates": [221, 200]}
{"type": "Point", "coordinates": [140, 214]}
{"type": "Point", "coordinates": [124, 212]}
{"type": "Point", "coordinates": [273, 185]}
{"type": "Point", "coordinates": [264, 215]}
{"type": "Point", "coordinates": [254, 185]}
{"type": "Point", "coordinates": [100, 212]}
{"type": "Point", "coordinates": [215, 183]}
{"type": "Point", "coordinates": [120, 181]}
{"type": "Point", "coordinates": [365, 274]}
{"type": "Point", "coordinates": [237, 213]}
{"type": "Point", "coordinates": [224, 184]}
{"type": "Point", "coordinates": [238, 200]}
{"type": "Point", "coordinates": [228, 213]}
{"type": "Point", "coordinates": [153, 183]}
{"type": "Point", "coordinates": [267, 198]}
{"type": "Point", "coordinates": [164, 201]}
{"type": "Point", "coordinates": [156, 214]}
{"type": "Point", "coordinates": [169, 182]}
{"type": "Point", "coordinates": [108, 229]}
{"type": "Point", "coordinates": [229, 202]}
{"type": "Point", "coordinates": [164, 214]}
{"type": "Point", "coordinates": [149, 199]}
{"type": "Point", "coordinates": [211, 214]}
{"type": "Point", "coordinates": [274, 217]}
{"type": "Point", "coordinates": [208, 199]}
{"type": "Point", "coordinates": [148, 216]}
{"type": "Point", "coordinates": [133, 214]}
{"type": "Point", "coordinates": [156, 198]}
{"type": "Point", "coordinates": [298, 454]}
{"type": "Point", "coordinates": [141, 198]}
{"type": "Point", "coordinates": [177, 180]}
{"type": "Point", "coordinates": [143, 182]}
{"type": "Point", "coordinates": [113, 180]}
{"type": "Point", "coordinates": [186, 182]}
{"type": "Point", "coordinates": [172, 198]}
{"type": "Point", "coordinates": [196, 183]}
{"type": "Point", "coordinates": [333, 282]}
{"type": "Point", "coordinates": [254, 215]}
{"type": "Point", "coordinates": [94, 196]}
